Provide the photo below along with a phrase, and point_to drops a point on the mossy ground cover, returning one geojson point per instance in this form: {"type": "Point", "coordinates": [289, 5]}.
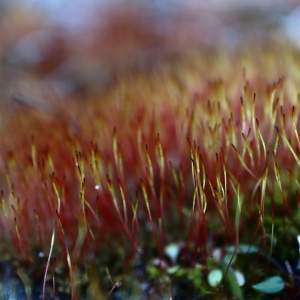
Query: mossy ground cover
{"type": "Point", "coordinates": [177, 182]}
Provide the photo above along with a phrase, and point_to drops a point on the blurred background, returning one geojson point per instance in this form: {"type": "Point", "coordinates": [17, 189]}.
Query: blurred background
{"type": "Point", "coordinates": [68, 49]}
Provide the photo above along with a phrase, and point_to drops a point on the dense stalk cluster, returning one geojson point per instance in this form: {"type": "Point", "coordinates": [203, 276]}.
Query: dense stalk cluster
{"type": "Point", "coordinates": [197, 150]}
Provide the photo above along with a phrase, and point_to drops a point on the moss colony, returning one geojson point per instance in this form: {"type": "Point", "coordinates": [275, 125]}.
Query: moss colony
{"type": "Point", "coordinates": [181, 181]}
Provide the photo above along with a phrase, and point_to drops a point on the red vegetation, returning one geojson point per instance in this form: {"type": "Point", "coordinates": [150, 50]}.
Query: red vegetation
{"type": "Point", "coordinates": [174, 141]}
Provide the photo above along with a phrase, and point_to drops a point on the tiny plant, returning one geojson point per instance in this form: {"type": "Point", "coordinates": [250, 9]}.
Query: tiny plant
{"type": "Point", "coordinates": [183, 178]}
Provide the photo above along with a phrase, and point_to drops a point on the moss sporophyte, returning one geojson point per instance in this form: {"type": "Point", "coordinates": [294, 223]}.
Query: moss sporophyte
{"type": "Point", "coordinates": [202, 155]}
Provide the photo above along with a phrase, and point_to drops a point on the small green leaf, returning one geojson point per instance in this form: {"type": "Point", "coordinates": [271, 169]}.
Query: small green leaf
{"type": "Point", "coordinates": [240, 278]}
{"type": "Point", "coordinates": [153, 272]}
{"type": "Point", "coordinates": [229, 259]}
{"type": "Point", "coordinates": [271, 285]}
{"type": "Point", "coordinates": [172, 270]}
{"type": "Point", "coordinates": [215, 277]}
{"type": "Point", "coordinates": [233, 285]}
{"type": "Point", "coordinates": [195, 276]}
{"type": "Point", "coordinates": [242, 249]}
{"type": "Point", "coordinates": [172, 251]}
